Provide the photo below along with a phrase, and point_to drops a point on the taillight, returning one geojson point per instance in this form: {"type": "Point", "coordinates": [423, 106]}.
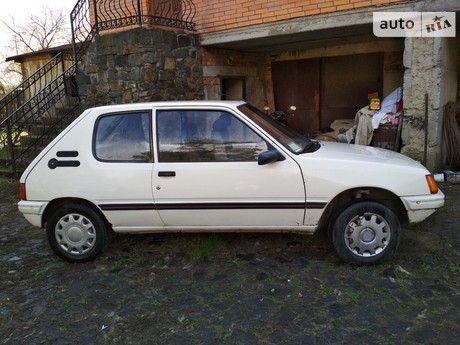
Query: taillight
{"type": "Point", "coordinates": [22, 191]}
{"type": "Point", "coordinates": [432, 185]}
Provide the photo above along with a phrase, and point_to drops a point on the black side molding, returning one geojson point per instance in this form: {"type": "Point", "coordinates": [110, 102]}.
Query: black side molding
{"type": "Point", "coordinates": [67, 154]}
{"type": "Point", "coordinates": [54, 163]}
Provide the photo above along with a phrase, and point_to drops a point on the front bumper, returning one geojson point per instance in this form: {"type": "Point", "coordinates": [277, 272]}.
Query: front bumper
{"type": "Point", "coordinates": [33, 211]}
{"type": "Point", "coordinates": [421, 207]}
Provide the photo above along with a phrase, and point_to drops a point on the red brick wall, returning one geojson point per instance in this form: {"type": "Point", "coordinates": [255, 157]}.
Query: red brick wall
{"type": "Point", "coordinates": [215, 15]}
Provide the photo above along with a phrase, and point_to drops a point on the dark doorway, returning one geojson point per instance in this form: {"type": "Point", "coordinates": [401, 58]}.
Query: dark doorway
{"type": "Point", "coordinates": [233, 88]}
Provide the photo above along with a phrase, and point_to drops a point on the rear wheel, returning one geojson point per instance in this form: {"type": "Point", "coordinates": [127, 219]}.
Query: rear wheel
{"type": "Point", "coordinates": [366, 233]}
{"type": "Point", "coordinates": [77, 233]}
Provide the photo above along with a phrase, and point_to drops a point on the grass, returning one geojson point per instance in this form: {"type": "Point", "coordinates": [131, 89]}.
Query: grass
{"type": "Point", "coordinates": [9, 189]}
{"type": "Point", "coordinates": [326, 289]}
{"type": "Point", "coordinates": [353, 296]}
{"type": "Point", "coordinates": [207, 246]}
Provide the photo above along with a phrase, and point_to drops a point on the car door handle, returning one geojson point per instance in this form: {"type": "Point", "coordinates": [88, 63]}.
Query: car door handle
{"type": "Point", "coordinates": [166, 173]}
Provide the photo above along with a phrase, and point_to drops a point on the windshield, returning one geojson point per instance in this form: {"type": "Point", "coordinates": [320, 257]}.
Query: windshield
{"type": "Point", "coordinates": [290, 139]}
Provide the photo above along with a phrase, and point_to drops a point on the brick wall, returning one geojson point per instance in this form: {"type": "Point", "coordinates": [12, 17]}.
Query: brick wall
{"type": "Point", "coordinates": [253, 67]}
{"type": "Point", "coordinates": [212, 15]}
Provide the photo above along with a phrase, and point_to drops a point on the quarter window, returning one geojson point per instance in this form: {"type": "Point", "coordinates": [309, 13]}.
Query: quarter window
{"type": "Point", "coordinates": [123, 137]}
{"type": "Point", "coordinates": [205, 135]}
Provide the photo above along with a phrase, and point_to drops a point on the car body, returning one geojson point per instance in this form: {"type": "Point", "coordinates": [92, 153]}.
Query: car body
{"type": "Point", "coordinates": [217, 166]}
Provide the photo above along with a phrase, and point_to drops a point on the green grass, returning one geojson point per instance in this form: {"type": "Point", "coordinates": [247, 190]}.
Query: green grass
{"type": "Point", "coordinates": [207, 246]}
{"type": "Point", "coordinates": [353, 296]}
{"type": "Point", "coordinates": [326, 290]}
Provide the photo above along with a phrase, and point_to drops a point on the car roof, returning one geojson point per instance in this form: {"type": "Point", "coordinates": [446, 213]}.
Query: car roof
{"type": "Point", "coordinates": [161, 104]}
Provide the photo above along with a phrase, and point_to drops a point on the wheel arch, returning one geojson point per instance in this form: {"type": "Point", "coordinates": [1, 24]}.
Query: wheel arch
{"type": "Point", "coordinates": [347, 197]}
{"type": "Point", "coordinates": [57, 203]}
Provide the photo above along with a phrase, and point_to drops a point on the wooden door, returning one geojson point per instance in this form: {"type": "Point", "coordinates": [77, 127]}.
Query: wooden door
{"type": "Point", "coordinates": [346, 82]}
{"type": "Point", "coordinates": [326, 89]}
{"type": "Point", "coordinates": [297, 83]}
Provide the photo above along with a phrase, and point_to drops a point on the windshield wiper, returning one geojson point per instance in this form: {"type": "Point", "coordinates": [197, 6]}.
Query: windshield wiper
{"type": "Point", "coordinates": [312, 146]}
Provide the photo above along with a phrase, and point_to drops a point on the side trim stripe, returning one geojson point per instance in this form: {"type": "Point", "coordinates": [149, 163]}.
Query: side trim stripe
{"type": "Point", "coordinates": [212, 206]}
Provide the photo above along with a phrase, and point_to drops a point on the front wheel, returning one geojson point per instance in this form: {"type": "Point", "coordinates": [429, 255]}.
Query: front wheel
{"type": "Point", "coordinates": [365, 233]}
{"type": "Point", "coordinates": [77, 233]}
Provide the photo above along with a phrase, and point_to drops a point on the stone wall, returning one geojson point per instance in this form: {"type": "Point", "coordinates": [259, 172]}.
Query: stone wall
{"type": "Point", "coordinates": [141, 65]}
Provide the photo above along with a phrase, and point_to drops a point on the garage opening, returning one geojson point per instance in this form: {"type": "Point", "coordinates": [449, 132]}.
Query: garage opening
{"type": "Point", "coordinates": [326, 89]}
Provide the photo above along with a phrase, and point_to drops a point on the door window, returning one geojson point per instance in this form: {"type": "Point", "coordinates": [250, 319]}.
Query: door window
{"type": "Point", "coordinates": [205, 135]}
{"type": "Point", "coordinates": [123, 137]}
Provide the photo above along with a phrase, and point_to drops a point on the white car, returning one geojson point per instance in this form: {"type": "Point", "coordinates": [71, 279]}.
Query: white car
{"type": "Point", "coordinates": [217, 166]}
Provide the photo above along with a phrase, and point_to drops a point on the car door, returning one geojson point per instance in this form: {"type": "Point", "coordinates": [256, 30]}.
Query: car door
{"type": "Point", "coordinates": [206, 174]}
{"type": "Point", "coordinates": [120, 177]}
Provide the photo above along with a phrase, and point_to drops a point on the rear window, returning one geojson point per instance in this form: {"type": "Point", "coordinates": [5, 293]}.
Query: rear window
{"type": "Point", "coordinates": [123, 137]}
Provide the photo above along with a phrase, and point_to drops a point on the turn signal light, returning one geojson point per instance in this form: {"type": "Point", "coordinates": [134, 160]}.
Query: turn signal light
{"type": "Point", "coordinates": [22, 191]}
{"type": "Point", "coordinates": [432, 185]}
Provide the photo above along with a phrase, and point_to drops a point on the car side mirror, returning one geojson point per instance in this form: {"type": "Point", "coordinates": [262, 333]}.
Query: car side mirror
{"type": "Point", "coordinates": [270, 156]}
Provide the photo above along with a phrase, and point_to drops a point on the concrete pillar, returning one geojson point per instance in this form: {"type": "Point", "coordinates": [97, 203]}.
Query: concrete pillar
{"type": "Point", "coordinates": [430, 81]}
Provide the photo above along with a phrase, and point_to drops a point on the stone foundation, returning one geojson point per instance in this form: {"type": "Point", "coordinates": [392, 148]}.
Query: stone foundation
{"type": "Point", "coordinates": [141, 65]}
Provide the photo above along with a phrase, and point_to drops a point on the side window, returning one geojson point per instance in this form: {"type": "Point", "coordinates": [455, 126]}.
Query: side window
{"type": "Point", "coordinates": [123, 137]}
{"type": "Point", "coordinates": [205, 135]}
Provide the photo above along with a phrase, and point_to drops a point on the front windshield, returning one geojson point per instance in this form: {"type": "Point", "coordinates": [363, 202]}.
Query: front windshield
{"type": "Point", "coordinates": [290, 139]}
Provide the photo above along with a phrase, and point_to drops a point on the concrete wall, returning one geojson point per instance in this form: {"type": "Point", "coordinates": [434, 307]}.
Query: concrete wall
{"type": "Point", "coordinates": [141, 65]}
{"type": "Point", "coordinates": [430, 81]}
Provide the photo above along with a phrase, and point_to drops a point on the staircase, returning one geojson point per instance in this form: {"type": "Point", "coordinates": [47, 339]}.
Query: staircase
{"type": "Point", "coordinates": [34, 113]}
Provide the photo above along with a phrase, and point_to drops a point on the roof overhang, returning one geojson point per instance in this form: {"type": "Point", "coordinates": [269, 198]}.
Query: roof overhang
{"type": "Point", "coordinates": [43, 52]}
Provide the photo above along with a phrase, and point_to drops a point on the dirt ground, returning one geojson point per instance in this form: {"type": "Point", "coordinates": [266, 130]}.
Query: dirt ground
{"type": "Point", "coordinates": [229, 288]}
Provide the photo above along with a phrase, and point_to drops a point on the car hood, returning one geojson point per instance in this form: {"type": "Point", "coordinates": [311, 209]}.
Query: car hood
{"type": "Point", "coordinates": [364, 154]}
{"type": "Point", "coordinates": [341, 166]}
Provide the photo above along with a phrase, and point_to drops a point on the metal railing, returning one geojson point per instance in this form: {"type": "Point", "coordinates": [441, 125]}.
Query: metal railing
{"type": "Point", "coordinates": [36, 110]}
{"type": "Point", "coordinates": [29, 87]}
{"type": "Point", "coordinates": [113, 14]}
{"type": "Point", "coordinates": [83, 31]}
{"type": "Point", "coordinates": [90, 17]}
{"type": "Point", "coordinates": [29, 103]}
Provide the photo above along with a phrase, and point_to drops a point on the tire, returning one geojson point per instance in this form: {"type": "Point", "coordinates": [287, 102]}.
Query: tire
{"type": "Point", "coordinates": [365, 233]}
{"type": "Point", "coordinates": [77, 233]}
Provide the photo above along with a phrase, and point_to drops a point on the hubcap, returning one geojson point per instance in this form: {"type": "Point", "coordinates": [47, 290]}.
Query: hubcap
{"type": "Point", "coordinates": [75, 234]}
{"type": "Point", "coordinates": [367, 235]}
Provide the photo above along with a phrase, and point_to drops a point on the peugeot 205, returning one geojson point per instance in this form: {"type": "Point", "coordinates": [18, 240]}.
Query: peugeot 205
{"type": "Point", "coordinates": [220, 166]}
